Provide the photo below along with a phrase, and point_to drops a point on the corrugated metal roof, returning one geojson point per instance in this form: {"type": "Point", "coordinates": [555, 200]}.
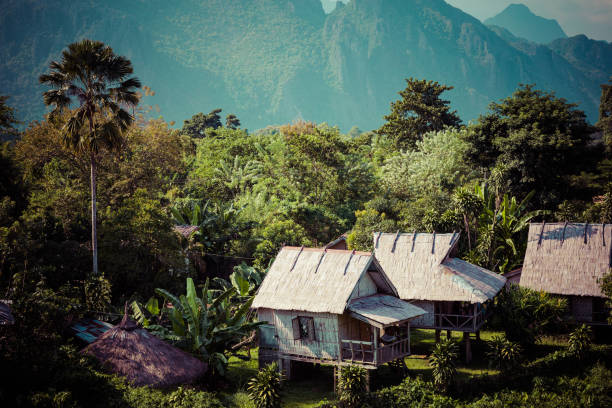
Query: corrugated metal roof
{"type": "Point", "coordinates": [567, 259]}
{"type": "Point", "coordinates": [384, 309]}
{"type": "Point", "coordinates": [420, 268]}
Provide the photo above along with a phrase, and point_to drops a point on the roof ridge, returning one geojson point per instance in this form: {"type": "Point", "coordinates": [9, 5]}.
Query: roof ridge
{"type": "Point", "coordinates": [348, 251]}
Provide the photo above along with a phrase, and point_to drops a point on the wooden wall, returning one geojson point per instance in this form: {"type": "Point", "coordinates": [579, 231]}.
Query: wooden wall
{"type": "Point", "coordinates": [581, 308]}
{"type": "Point", "coordinates": [426, 320]}
{"type": "Point", "coordinates": [353, 329]}
{"type": "Point", "coordinates": [325, 345]}
{"type": "Point", "coordinates": [365, 287]}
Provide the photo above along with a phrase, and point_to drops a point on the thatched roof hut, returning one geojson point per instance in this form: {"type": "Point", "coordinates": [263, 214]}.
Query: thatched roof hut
{"type": "Point", "coordinates": [318, 280]}
{"type": "Point", "coordinates": [421, 267]}
{"type": "Point", "coordinates": [567, 258]}
{"type": "Point", "coordinates": [6, 317]}
{"type": "Point", "coordinates": [142, 358]}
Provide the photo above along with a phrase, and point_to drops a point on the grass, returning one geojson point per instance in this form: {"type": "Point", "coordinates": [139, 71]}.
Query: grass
{"type": "Point", "coordinates": [314, 383]}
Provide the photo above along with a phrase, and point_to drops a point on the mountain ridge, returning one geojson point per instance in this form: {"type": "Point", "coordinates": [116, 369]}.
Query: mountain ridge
{"type": "Point", "coordinates": [523, 23]}
{"type": "Point", "coordinates": [274, 61]}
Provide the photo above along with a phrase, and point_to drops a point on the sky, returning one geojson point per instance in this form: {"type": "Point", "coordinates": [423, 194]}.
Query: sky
{"type": "Point", "coordinates": [590, 17]}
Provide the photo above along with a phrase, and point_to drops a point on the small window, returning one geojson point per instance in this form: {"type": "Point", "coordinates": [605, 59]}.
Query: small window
{"type": "Point", "coordinates": [303, 328]}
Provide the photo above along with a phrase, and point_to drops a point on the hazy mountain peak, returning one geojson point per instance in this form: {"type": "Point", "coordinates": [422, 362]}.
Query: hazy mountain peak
{"type": "Point", "coordinates": [522, 22]}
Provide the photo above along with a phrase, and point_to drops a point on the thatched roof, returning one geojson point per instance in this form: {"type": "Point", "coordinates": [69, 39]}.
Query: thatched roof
{"type": "Point", "coordinates": [142, 358]}
{"type": "Point", "coordinates": [316, 280]}
{"type": "Point", "coordinates": [420, 267]}
{"type": "Point", "coordinates": [567, 259]}
{"type": "Point", "coordinates": [338, 243]}
{"type": "Point", "coordinates": [6, 317]}
{"type": "Point", "coordinates": [383, 310]}
{"type": "Point", "coordinates": [186, 230]}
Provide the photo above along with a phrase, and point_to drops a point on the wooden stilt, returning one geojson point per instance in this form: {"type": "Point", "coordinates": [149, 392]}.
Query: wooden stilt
{"type": "Point", "coordinates": [449, 334]}
{"type": "Point", "coordinates": [468, 347]}
{"type": "Point", "coordinates": [478, 335]}
{"type": "Point", "coordinates": [336, 369]}
{"type": "Point", "coordinates": [437, 336]}
{"type": "Point", "coordinates": [367, 380]}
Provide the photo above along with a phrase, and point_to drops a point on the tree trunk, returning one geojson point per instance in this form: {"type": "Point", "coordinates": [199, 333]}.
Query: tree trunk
{"type": "Point", "coordinates": [94, 235]}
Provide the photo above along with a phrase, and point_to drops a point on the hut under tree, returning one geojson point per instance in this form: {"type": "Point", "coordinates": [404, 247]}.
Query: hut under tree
{"type": "Point", "coordinates": [456, 294]}
{"type": "Point", "coordinates": [569, 260]}
{"type": "Point", "coordinates": [334, 307]}
{"type": "Point", "coordinates": [6, 317]}
{"type": "Point", "coordinates": [142, 358]}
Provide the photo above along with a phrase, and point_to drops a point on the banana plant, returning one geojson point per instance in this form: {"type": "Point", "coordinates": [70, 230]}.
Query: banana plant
{"type": "Point", "coordinates": [210, 324]}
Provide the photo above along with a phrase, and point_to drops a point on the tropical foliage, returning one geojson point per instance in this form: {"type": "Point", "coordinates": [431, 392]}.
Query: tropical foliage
{"type": "Point", "coordinates": [264, 389]}
{"type": "Point", "coordinates": [443, 360]}
{"type": "Point", "coordinates": [580, 341]}
{"type": "Point", "coordinates": [503, 354]}
{"type": "Point", "coordinates": [352, 386]}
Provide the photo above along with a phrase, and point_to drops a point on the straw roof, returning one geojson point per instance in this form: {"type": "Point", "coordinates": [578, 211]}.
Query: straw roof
{"type": "Point", "coordinates": [383, 310]}
{"type": "Point", "coordinates": [420, 267]}
{"type": "Point", "coordinates": [6, 317]}
{"type": "Point", "coordinates": [142, 358]}
{"type": "Point", "coordinates": [316, 280]}
{"type": "Point", "coordinates": [186, 230]}
{"type": "Point", "coordinates": [567, 259]}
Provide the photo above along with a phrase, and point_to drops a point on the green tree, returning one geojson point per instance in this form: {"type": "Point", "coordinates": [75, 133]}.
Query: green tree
{"type": "Point", "coordinates": [353, 386]}
{"type": "Point", "coordinates": [605, 114]}
{"type": "Point", "coordinates": [7, 119]}
{"type": "Point", "coordinates": [540, 141]}
{"type": "Point", "coordinates": [100, 81]}
{"type": "Point", "coordinates": [197, 126]}
{"type": "Point", "coordinates": [420, 110]}
{"type": "Point", "coordinates": [580, 341]}
{"type": "Point", "coordinates": [232, 121]}
{"type": "Point", "coordinates": [606, 287]}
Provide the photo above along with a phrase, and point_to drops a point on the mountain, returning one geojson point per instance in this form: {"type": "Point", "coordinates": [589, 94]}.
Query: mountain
{"type": "Point", "coordinates": [520, 21]}
{"type": "Point", "coordinates": [274, 61]}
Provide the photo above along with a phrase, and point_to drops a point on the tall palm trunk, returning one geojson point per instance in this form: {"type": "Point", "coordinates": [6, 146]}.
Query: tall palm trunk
{"type": "Point", "coordinates": [94, 218]}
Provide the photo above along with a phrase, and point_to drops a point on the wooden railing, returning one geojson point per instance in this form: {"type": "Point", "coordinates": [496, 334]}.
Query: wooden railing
{"type": "Point", "coordinates": [366, 352]}
{"type": "Point", "coordinates": [459, 322]}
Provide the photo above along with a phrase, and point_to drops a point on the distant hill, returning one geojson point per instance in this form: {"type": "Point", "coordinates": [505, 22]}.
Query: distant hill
{"type": "Point", "coordinates": [274, 61]}
{"type": "Point", "coordinates": [520, 21]}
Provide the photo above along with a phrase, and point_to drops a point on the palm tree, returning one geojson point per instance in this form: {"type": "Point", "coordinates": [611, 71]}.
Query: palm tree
{"type": "Point", "coordinates": [91, 75]}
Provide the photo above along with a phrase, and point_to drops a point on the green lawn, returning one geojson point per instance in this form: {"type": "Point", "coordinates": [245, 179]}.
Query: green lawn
{"type": "Point", "coordinates": [313, 383]}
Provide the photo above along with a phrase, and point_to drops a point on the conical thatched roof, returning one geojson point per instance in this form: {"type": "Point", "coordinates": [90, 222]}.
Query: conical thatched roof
{"type": "Point", "coordinates": [142, 358]}
{"type": "Point", "coordinates": [567, 258]}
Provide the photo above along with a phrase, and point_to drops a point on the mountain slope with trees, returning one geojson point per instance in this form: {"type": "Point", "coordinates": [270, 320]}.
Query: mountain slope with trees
{"type": "Point", "coordinates": [274, 61]}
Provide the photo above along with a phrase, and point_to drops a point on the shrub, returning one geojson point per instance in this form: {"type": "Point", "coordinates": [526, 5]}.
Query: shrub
{"type": "Point", "coordinates": [353, 386]}
{"type": "Point", "coordinates": [265, 387]}
{"type": "Point", "coordinates": [527, 314]}
{"type": "Point", "coordinates": [411, 393]}
{"type": "Point", "coordinates": [442, 360]}
{"type": "Point", "coordinates": [504, 354]}
{"type": "Point", "coordinates": [580, 341]}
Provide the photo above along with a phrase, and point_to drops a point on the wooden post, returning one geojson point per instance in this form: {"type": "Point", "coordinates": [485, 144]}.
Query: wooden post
{"type": "Point", "coordinates": [468, 347]}
{"type": "Point", "coordinates": [375, 334]}
{"type": "Point", "coordinates": [336, 367]}
{"type": "Point", "coordinates": [449, 334]}
{"type": "Point", "coordinates": [475, 314]}
{"type": "Point", "coordinates": [437, 335]}
{"type": "Point", "coordinates": [478, 335]}
{"type": "Point", "coordinates": [368, 380]}
{"type": "Point", "coordinates": [408, 333]}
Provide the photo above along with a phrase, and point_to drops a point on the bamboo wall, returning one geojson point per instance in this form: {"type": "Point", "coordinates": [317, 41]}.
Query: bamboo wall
{"type": "Point", "coordinates": [426, 320]}
{"type": "Point", "coordinates": [365, 287]}
{"type": "Point", "coordinates": [326, 334]}
{"type": "Point", "coordinates": [353, 329]}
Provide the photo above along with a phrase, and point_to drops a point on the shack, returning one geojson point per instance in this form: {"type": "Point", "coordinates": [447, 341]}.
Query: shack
{"type": "Point", "coordinates": [333, 307]}
{"type": "Point", "coordinates": [569, 259]}
{"type": "Point", "coordinates": [456, 294]}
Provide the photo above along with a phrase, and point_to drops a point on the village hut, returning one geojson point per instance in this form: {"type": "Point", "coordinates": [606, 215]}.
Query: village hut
{"type": "Point", "coordinates": [331, 306]}
{"type": "Point", "coordinates": [6, 317]}
{"type": "Point", "coordinates": [134, 353]}
{"type": "Point", "coordinates": [338, 243]}
{"type": "Point", "coordinates": [456, 294]}
{"type": "Point", "coordinates": [569, 259]}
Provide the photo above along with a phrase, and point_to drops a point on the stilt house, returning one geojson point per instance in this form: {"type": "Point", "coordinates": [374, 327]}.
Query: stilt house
{"type": "Point", "coordinates": [331, 306]}
{"type": "Point", "coordinates": [568, 259]}
{"type": "Point", "coordinates": [455, 293]}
